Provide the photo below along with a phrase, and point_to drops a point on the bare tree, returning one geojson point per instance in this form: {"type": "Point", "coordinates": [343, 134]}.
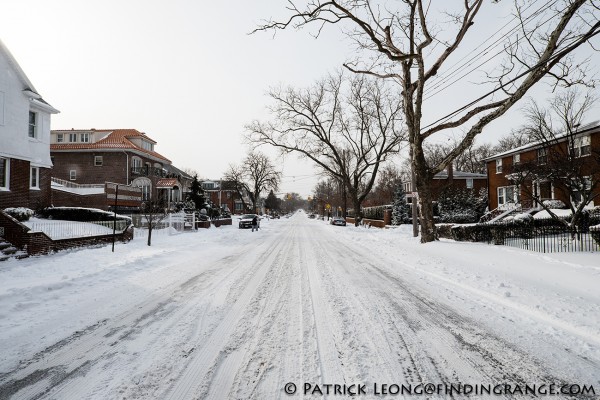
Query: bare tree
{"type": "Point", "coordinates": [236, 176]}
{"type": "Point", "coordinates": [387, 185]}
{"type": "Point", "coordinates": [347, 127]}
{"type": "Point", "coordinates": [405, 42]}
{"type": "Point", "coordinates": [569, 162]}
{"type": "Point", "coordinates": [155, 211]}
{"type": "Point", "coordinates": [260, 175]}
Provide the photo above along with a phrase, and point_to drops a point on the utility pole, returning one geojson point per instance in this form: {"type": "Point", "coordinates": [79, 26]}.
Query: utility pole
{"type": "Point", "coordinates": [413, 197]}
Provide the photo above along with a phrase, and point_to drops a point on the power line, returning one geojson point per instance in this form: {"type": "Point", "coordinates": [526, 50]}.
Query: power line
{"type": "Point", "coordinates": [459, 68]}
{"type": "Point", "coordinates": [540, 64]}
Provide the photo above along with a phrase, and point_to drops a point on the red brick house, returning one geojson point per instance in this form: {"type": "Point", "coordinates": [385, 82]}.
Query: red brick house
{"type": "Point", "coordinates": [224, 193]}
{"type": "Point", "coordinates": [451, 179]}
{"type": "Point", "coordinates": [24, 139]}
{"type": "Point", "coordinates": [91, 157]}
{"type": "Point", "coordinates": [505, 193]}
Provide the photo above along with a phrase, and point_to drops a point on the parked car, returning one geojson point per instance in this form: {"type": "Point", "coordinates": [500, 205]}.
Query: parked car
{"type": "Point", "coordinates": [339, 221]}
{"type": "Point", "coordinates": [311, 216]}
{"type": "Point", "coordinates": [246, 221]}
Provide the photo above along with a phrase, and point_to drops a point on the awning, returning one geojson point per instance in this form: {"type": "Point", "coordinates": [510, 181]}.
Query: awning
{"type": "Point", "coordinates": [168, 183]}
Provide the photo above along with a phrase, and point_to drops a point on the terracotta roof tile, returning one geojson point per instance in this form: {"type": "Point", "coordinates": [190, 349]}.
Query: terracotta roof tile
{"type": "Point", "coordinates": [116, 139]}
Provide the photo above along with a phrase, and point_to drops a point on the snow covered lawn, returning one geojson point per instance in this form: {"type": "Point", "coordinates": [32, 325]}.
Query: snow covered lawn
{"type": "Point", "coordinates": [229, 313]}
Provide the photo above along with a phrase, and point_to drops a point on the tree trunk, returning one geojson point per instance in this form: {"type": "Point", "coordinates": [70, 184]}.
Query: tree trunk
{"type": "Point", "coordinates": [358, 214]}
{"type": "Point", "coordinates": [424, 184]}
{"type": "Point", "coordinates": [149, 233]}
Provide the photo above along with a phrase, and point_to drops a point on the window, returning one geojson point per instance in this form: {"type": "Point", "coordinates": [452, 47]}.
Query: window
{"type": "Point", "coordinates": [498, 166]}
{"type": "Point", "coordinates": [4, 173]}
{"type": "Point", "coordinates": [145, 192]}
{"type": "Point", "coordinates": [72, 174]}
{"type": "Point", "coordinates": [85, 137]}
{"type": "Point", "coordinates": [508, 195]}
{"type": "Point", "coordinates": [147, 145]}
{"type": "Point", "coordinates": [469, 183]}
{"type": "Point", "coordinates": [542, 155]}
{"type": "Point", "coordinates": [72, 137]}
{"type": "Point", "coordinates": [34, 178]}
{"type": "Point", "coordinates": [516, 159]}
{"type": "Point", "coordinates": [98, 161]}
{"type": "Point", "coordinates": [238, 206]}
{"type": "Point", "coordinates": [582, 146]}
{"type": "Point", "coordinates": [32, 124]}
{"type": "Point", "coordinates": [60, 138]}
{"type": "Point", "coordinates": [581, 190]}
{"type": "Point", "coordinates": [136, 165]}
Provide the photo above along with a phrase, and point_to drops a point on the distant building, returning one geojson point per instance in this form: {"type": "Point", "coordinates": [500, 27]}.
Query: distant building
{"type": "Point", "coordinates": [24, 139]}
{"type": "Point", "coordinates": [225, 195]}
{"type": "Point", "coordinates": [451, 179]}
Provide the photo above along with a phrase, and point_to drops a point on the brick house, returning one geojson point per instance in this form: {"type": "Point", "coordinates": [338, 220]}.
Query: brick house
{"type": "Point", "coordinates": [451, 179]}
{"type": "Point", "coordinates": [224, 193]}
{"type": "Point", "coordinates": [24, 139]}
{"type": "Point", "coordinates": [90, 157]}
{"type": "Point", "coordinates": [503, 193]}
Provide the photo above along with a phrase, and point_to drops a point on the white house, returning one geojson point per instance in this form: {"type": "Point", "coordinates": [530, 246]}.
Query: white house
{"type": "Point", "coordinates": [24, 138]}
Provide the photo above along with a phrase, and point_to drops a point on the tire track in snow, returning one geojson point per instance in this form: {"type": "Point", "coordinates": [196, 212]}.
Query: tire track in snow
{"type": "Point", "coordinates": [67, 356]}
{"type": "Point", "coordinates": [196, 379]}
{"type": "Point", "coordinates": [438, 337]}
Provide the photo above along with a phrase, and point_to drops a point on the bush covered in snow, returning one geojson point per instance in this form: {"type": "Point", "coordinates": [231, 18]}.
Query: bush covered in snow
{"type": "Point", "coordinates": [80, 214]}
{"type": "Point", "coordinates": [19, 213]}
{"type": "Point", "coordinates": [556, 204]}
{"type": "Point", "coordinates": [461, 205]}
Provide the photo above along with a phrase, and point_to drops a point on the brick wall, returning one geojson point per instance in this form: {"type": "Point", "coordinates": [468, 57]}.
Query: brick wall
{"type": "Point", "coordinates": [66, 199]}
{"type": "Point", "coordinates": [20, 195]}
{"type": "Point", "coordinates": [38, 243]}
{"type": "Point", "coordinates": [114, 167]}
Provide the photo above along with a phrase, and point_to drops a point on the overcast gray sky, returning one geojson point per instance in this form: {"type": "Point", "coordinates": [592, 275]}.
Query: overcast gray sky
{"type": "Point", "coordinates": [186, 72]}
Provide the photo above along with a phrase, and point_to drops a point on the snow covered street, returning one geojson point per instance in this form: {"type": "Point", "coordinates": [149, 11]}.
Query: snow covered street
{"type": "Point", "coordinates": [229, 313]}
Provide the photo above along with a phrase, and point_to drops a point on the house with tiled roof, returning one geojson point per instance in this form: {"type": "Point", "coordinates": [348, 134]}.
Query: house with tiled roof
{"type": "Point", "coordinates": [24, 138]}
{"type": "Point", "coordinates": [86, 157]}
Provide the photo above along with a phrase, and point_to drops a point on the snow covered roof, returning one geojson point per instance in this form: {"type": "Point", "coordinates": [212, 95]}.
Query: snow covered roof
{"type": "Point", "coordinates": [459, 175]}
{"type": "Point", "coordinates": [587, 128]}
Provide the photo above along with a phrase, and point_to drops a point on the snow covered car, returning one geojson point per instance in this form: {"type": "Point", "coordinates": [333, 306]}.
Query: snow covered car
{"type": "Point", "coordinates": [246, 221]}
{"type": "Point", "coordinates": [338, 221]}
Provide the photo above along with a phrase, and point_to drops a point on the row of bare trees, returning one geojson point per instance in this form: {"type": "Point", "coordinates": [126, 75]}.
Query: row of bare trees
{"type": "Point", "coordinates": [409, 43]}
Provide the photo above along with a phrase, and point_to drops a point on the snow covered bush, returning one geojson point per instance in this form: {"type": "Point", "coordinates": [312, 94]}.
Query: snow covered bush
{"type": "Point", "coordinates": [554, 204]}
{"type": "Point", "coordinates": [458, 206]}
{"type": "Point", "coordinates": [19, 213]}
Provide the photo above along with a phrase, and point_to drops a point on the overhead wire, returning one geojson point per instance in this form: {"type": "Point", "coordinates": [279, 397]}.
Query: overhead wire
{"type": "Point", "coordinates": [461, 64]}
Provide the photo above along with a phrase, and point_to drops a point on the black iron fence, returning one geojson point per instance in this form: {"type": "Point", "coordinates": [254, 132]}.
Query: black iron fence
{"type": "Point", "coordinates": [546, 236]}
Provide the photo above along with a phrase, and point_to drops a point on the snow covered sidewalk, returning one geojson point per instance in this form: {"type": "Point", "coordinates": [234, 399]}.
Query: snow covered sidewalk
{"type": "Point", "coordinates": [228, 313]}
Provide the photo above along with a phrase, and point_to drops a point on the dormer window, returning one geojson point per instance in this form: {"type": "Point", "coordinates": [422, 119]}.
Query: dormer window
{"type": "Point", "coordinates": [60, 138]}
{"type": "Point", "coordinates": [85, 137]}
{"type": "Point", "coordinates": [72, 137]}
{"type": "Point", "coordinates": [147, 145]}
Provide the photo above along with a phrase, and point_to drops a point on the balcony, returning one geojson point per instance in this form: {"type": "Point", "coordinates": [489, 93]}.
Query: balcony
{"type": "Point", "coordinates": [148, 171]}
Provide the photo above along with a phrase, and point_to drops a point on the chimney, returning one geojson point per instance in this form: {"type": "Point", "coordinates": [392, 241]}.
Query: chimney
{"type": "Point", "coordinates": [450, 170]}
